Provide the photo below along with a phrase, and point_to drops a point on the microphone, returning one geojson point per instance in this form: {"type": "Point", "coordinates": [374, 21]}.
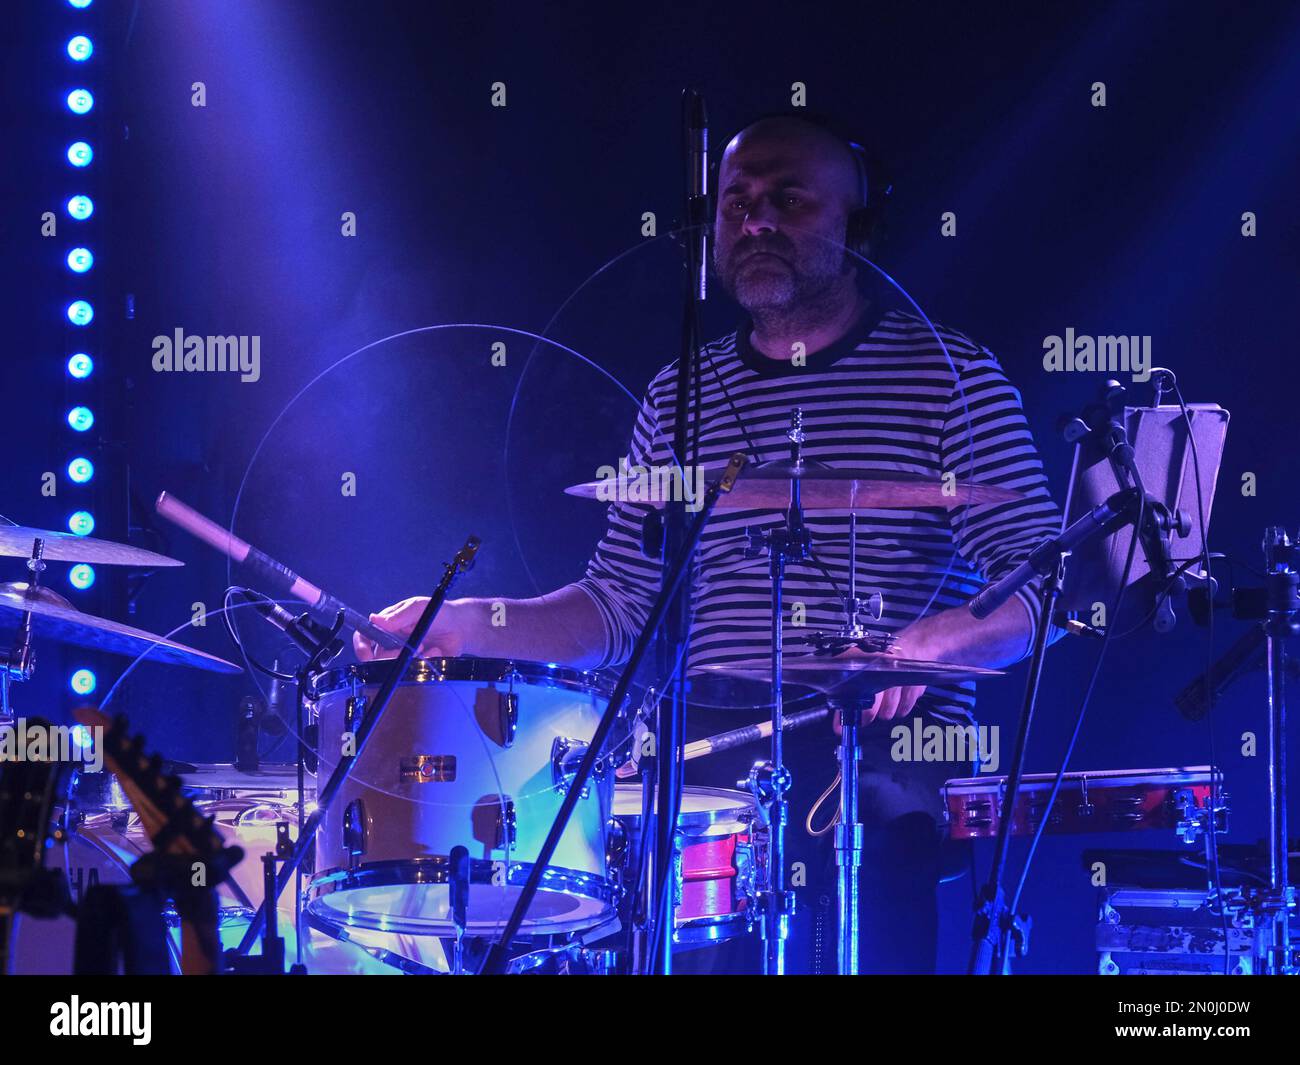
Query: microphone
{"type": "Point", "coordinates": [267, 570]}
{"type": "Point", "coordinates": [697, 148]}
{"type": "Point", "coordinates": [308, 635]}
{"type": "Point", "coordinates": [1104, 517]}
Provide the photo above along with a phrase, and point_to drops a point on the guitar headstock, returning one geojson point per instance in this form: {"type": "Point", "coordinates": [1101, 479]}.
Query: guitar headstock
{"type": "Point", "coordinates": [189, 856]}
{"type": "Point", "coordinates": [169, 818]}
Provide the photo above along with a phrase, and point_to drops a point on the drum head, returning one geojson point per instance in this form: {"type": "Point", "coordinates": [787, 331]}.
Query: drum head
{"type": "Point", "coordinates": [704, 812]}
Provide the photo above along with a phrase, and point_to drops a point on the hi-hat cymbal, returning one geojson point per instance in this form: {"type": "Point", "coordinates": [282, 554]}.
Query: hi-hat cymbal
{"type": "Point", "coordinates": [854, 677]}
{"type": "Point", "coordinates": [767, 487]}
{"type": "Point", "coordinates": [53, 617]}
{"type": "Point", "coordinates": [16, 542]}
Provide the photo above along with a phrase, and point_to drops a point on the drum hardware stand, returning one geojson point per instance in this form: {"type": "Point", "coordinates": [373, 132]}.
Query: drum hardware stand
{"type": "Point", "coordinates": [370, 719]}
{"type": "Point", "coordinates": [854, 633]}
{"type": "Point", "coordinates": [497, 960]}
{"type": "Point", "coordinates": [996, 931]}
{"type": "Point", "coordinates": [20, 663]}
{"type": "Point", "coordinates": [271, 961]}
{"type": "Point", "coordinates": [848, 840]}
{"type": "Point", "coordinates": [848, 827]}
{"type": "Point", "coordinates": [769, 782]}
{"type": "Point", "coordinates": [1278, 610]}
{"type": "Point", "coordinates": [458, 892]}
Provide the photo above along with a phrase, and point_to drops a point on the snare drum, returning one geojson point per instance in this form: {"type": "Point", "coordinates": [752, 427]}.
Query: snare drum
{"type": "Point", "coordinates": [719, 844]}
{"type": "Point", "coordinates": [470, 752]}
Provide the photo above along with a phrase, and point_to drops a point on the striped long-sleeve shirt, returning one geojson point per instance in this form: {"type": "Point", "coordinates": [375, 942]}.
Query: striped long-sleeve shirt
{"type": "Point", "coordinates": [887, 397]}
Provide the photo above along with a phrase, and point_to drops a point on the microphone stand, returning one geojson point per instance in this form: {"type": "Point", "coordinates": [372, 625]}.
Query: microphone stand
{"type": "Point", "coordinates": [675, 642]}
{"type": "Point", "coordinates": [497, 959]}
{"type": "Point", "coordinates": [369, 720]}
{"type": "Point", "coordinates": [996, 932]}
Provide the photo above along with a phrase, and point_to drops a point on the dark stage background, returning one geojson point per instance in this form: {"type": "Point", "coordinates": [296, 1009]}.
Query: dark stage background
{"type": "Point", "coordinates": [226, 219]}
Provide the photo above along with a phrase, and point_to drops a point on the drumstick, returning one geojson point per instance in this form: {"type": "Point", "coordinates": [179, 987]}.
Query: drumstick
{"type": "Point", "coordinates": [736, 737]}
{"type": "Point", "coordinates": [279, 577]}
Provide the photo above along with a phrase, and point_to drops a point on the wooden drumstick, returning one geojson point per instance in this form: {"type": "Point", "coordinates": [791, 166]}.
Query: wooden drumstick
{"type": "Point", "coordinates": [736, 737]}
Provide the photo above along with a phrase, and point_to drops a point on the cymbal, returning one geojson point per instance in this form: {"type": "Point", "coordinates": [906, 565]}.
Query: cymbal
{"type": "Point", "coordinates": [854, 677]}
{"type": "Point", "coordinates": [16, 542]}
{"type": "Point", "coordinates": [53, 617]}
{"type": "Point", "coordinates": [767, 487]}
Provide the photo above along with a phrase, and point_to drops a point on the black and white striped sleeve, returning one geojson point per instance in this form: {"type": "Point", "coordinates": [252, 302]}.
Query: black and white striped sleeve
{"type": "Point", "coordinates": [620, 580]}
{"type": "Point", "coordinates": [986, 439]}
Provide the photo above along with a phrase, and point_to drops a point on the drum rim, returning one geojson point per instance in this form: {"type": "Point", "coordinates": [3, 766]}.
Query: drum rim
{"type": "Point", "coordinates": [464, 668]}
{"type": "Point", "coordinates": [434, 868]}
{"type": "Point", "coordinates": [714, 928]}
{"type": "Point", "coordinates": [743, 813]}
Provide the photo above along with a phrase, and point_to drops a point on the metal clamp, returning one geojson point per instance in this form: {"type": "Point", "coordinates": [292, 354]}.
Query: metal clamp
{"type": "Point", "coordinates": [566, 755]}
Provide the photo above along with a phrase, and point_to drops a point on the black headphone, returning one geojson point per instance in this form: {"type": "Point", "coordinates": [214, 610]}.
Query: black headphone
{"type": "Point", "coordinates": [874, 186]}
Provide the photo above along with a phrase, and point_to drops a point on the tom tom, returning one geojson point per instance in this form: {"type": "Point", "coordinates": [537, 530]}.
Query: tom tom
{"type": "Point", "coordinates": [470, 752]}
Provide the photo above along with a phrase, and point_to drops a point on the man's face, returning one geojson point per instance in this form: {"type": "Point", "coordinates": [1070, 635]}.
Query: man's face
{"type": "Point", "coordinates": [785, 190]}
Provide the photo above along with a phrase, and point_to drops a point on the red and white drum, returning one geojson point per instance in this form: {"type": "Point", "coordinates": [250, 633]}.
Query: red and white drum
{"type": "Point", "coordinates": [1119, 800]}
{"type": "Point", "coordinates": [719, 849]}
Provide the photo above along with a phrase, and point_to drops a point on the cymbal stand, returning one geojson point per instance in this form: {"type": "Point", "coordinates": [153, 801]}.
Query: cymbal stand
{"type": "Point", "coordinates": [1280, 623]}
{"type": "Point", "coordinates": [770, 781]}
{"type": "Point", "coordinates": [20, 662]}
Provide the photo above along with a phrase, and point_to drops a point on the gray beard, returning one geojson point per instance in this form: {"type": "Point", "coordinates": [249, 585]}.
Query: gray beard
{"type": "Point", "coordinates": [788, 308]}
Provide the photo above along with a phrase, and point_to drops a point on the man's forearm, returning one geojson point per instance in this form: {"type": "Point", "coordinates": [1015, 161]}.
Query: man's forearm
{"type": "Point", "coordinates": [562, 626]}
{"type": "Point", "coordinates": [953, 635]}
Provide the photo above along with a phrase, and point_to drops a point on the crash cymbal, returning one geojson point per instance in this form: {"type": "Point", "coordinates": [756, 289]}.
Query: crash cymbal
{"type": "Point", "coordinates": [54, 618]}
{"type": "Point", "coordinates": [16, 542]}
{"type": "Point", "coordinates": [767, 487]}
{"type": "Point", "coordinates": [855, 677]}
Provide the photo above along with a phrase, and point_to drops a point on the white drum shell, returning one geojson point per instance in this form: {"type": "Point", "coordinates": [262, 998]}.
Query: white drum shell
{"type": "Point", "coordinates": [443, 770]}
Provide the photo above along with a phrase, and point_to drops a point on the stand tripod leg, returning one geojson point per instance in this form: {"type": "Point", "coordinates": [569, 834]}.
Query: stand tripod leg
{"type": "Point", "coordinates": [848, 844]}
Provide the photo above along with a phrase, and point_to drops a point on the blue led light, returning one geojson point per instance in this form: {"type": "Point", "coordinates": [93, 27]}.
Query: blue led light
{"type": "Point", "coordinates": [80, 312]}
{"type": "Point", "coordinates": [80, 3]}
{"type": "Point", "coordinates": [80, 365]}
{"type": "Point", "coordinates": [83, 682]}
{"type": "Point", "coordinates": [82, 737]}
{"type": "Point", "coordinates": [80, 418]}
{"type": "Point", "coordinates": [81, 470]}
{"type": "Point", "coordinates": [81, 576]}
{"type": "Point", "coordinates": [80, 101]}
{"type": "Point", "coordinates": [80, 48]}
{"type": "Point", "coordinates": [81, 522]}
{"type": "Point", "coordinates": [80, 153]}
{"type": "Point", "coordinates": [81, 207]}
{"type": "Point", "coordinates": [80, 260]}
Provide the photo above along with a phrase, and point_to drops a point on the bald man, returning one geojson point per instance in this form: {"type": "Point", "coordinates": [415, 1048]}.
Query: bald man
{"type": "Point", "coordinates": [879, 391]}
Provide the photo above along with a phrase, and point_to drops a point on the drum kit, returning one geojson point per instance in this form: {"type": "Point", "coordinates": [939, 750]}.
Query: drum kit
{"type": "Point", "coordinates": [458, 815]}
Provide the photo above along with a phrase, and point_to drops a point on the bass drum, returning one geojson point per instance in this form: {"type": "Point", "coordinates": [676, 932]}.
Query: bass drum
{"type": "Point", "coordinates": [471, 752]}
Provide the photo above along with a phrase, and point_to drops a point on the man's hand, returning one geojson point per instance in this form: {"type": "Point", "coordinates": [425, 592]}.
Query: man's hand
{"type": "Point", "coordinates": [892, 704]}
{"type": "Point", "coordinates": [445, 638]}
